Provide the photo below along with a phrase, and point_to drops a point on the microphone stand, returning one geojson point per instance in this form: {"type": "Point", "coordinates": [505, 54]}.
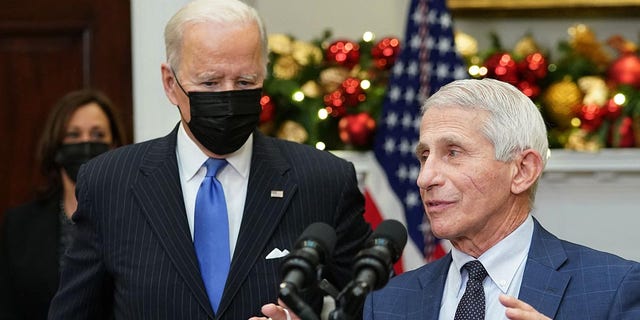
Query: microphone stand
{"type": "Point", "coordinates": [290, 297]}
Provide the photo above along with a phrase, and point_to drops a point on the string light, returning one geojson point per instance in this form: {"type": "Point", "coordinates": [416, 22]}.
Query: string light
{"type": "Point", "coordinates": [320, 145]}
{"type": "Point", "coordinates": [297, 96]}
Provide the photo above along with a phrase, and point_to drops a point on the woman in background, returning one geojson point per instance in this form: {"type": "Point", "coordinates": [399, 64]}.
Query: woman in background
{"type": "Point", "coordinates": [35, 235]}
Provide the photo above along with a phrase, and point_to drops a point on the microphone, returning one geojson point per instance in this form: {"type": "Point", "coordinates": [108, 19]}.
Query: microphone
{"type": "Point", "coordinates": [312, 247]}
{"type": "Point", "coordinates": [374, 264]}
{"type": "Point", "coordinates": [372, 268]}
{"type": "Point", "coordinates": [299, 269]}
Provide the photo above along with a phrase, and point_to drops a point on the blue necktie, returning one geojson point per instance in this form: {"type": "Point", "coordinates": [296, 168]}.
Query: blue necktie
{"type": "Point", "coordinates": [471, 306]}
{"type": "Point", "coordinates": [211, 232]}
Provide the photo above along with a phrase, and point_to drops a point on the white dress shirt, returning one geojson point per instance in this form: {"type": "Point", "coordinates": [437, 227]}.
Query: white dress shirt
{"type": "Point", "coordinates": [234, 179]}
{"type": "Point", "coordinates": [504, 263]}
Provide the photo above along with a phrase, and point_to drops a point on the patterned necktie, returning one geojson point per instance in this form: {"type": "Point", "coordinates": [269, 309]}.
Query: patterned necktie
{"type": "Point", "coordinates": [471, 306]}
{"type": "Point", "coordinates": [211, 232]}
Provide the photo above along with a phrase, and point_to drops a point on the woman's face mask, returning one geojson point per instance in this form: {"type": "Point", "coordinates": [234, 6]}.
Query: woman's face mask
{"type": "Point", "coordinates": [72, 156]}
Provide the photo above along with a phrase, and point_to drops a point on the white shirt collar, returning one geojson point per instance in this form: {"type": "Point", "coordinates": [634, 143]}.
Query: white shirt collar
{"type": "Point", "coordinates": [503, 259]}
{"type": "Point", "coordinates": [191, 158]}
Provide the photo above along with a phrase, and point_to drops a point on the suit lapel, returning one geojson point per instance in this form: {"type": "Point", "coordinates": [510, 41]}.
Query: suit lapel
{"type": "Point", "coordinates": [262, 212]}
{"type": "Point", "coordinates": [432, 281]}
{"type": "Point", "coordinates": [159, 194]}
{"type": "Point", "coordinates": [543, 286]}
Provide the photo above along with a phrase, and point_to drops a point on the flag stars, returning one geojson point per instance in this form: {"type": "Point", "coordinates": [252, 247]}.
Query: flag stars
{"type": "Point", "coordinates": [392, 120]}
{"type": "Point", "coordinates": [409, 96]}
{"type": "Point", "coordinates": [414, 171]}
{"type": "Point", "coordinates": [394, 93]}
{"type": "Point", "coordinates": [445, 20]}
{"type": "Point", "coordinates": [407, 119]}
{"type": "Point", "coordinates": [444, 45]}
{"type": "Point", "coordinates": [405, 147]}
{"type": "Point", "coordinates": [398, 68]}
{"type": "Point", "coordinates": [442, 71]}
{"type": "Point", "coordinates": [402, 173]}
{"type": "Point", "coordinates": [415, 42]}
{"type": "Point", "coordinates": [413, 69]}
{"type": "Point", "coordinates": [389, 146]}
{"type": "Point", "coordinates": [412, 199]}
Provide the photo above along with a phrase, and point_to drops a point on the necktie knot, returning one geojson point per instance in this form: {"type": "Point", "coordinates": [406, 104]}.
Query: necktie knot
{"type": "Point", "coordinates": [476, 270]}
{"type": "Point", "coordinates": [214, 165]}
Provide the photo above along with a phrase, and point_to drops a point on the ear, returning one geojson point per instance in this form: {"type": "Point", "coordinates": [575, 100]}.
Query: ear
{"type": "Point", "coordinates": [527, 169]}
{"type": "Point", "coordinates": [169, 83]}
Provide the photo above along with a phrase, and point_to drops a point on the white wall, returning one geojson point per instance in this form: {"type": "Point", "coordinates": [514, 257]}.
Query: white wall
{"type": "Point", "coordinates": [597, 205]}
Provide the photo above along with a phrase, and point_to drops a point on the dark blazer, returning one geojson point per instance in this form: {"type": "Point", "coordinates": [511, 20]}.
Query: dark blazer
{"type": "Point", "coordinates": [561, 280]}
{"type": "Point", "coordinates": [29, 241]}
{"type": "Point", "coordinates": [134, 256]}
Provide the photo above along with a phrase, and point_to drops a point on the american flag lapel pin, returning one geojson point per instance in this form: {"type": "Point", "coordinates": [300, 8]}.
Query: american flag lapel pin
{"type": "Point", "coordinates": [277, 193]}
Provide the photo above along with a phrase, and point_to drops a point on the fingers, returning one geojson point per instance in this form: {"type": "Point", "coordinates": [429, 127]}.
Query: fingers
{"type": "Point", "coordinates": [520, 310]}
{"type": "Point", "coordinates": [274, 312]}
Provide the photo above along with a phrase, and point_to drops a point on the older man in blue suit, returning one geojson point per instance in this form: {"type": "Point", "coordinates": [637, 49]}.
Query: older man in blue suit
{"type": "Point", "coordinates": [483, 146]}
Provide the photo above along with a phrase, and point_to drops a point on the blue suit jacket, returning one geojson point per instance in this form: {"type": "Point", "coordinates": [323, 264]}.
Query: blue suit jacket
{"type": "Point", "coordinates": [561, 280]}
{"type": "Point", "coordinates": [133, 257]}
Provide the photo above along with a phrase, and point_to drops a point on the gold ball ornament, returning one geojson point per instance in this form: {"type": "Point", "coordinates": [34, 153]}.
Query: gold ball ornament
{"type": "Point", "coordinates": [584, 42]}
{"type": "Point", "coordinates": [306, 54]}
{"type": "Point", "coordinates": [466, 45]}
{"type": "Point", "coordinates": [292, 131]}
{"type": "Point", "coordinates": [311, 89]}
{"type": "Point", "coordinates": [526, 46]}
{"type": "Point", "coordinates": [562, 101]}
{"type": "Point", "coordinates": [286, 68]}
{"type": "Point", "coordinates": [280, 43]}
{"type": "Point", "coordinates": [332, 78]}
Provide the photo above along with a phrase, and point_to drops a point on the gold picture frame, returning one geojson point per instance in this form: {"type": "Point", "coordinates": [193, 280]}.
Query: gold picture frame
{"type": "Point", "coordinates": [533, 8]}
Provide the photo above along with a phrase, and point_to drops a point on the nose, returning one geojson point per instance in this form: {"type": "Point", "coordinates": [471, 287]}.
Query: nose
{"type": "Point", "coordinates": [429, 175]}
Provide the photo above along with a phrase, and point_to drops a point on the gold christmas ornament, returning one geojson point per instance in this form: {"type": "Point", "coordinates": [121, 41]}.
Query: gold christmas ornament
{"type": "Point", "coordinates": [306, 54]}
{"type": "Point", "coordinates": [526, 46]}
{"type": "Point", "coordinates": [466, 45]}
{"type": "Point", "coordinates": [311, 89]}
{"type": "Point", "coordinates": [585, 43]}
{"type": "Point", "coordinates": [292, 131]}
{"type": "Point", "coordinates": [280, 44]}
{"type": "Point", "coordinates": [286, 68]}
{"type": "Point", "coordinates": [580, 140]}
{"type": "Point", "coordinates": [563, 100]}
{"type": "Point", "coordinates": [332, 78]}
{"type": "Point", "coordinates": [595, 90]}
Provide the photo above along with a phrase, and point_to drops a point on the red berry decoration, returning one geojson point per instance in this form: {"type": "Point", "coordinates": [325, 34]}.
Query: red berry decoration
{"type": "Point", "coordinates": [352, 92]}
{"type": "Point", "coordinates": [501, 66]}
{"type": "Point", "coordinates": [268, 109]}
{"type": "Point", "coordinates": [357, 129]}
{"type": "Point", "coordinates": [343, 52]}
{"type": "Point", "coordinates": [591, 117]}
{"type": "Point", "coordinates": [385, 52]}
{"type": "Point", "coordinates": [335, 103]}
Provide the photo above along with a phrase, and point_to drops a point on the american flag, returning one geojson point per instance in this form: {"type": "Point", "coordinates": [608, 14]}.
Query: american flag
{"type": "Point", "coordinates": [427, 61]}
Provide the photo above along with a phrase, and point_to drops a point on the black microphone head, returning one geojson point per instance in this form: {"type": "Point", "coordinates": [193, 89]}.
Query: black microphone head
{"type": "Point", "coordinates": [320, 236]}
{"type": "Point", "coordinates": [394, 232]}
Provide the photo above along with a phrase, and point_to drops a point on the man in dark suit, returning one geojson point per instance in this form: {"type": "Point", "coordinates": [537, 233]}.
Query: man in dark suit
{"type": "Point", "coordinates": [134, 254]}
{"type": "Point", "coordinates": [483, 146]}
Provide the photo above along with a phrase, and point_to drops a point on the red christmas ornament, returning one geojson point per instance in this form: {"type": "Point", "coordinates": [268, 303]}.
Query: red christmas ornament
{"type": "Point", "coordinates": [625, 70]}
{"type": "Point", "coordinates": [533, 67]}
{"type": "Point", "coordinates": [385, 52]}
{"type": "Point", "coordinates": [356, 129]}
{"type": "Point", "coordinates": [335, 103]}
{"type": "Point", "coordinates": [352, 92]}
{"type": "Point", "coordinates": [591, 117]}
{"type": "Point", "coordinates": [623, 136]}
{"type": "Point", "coordinates": [530, 89]}
{"type": "Point", "coordinates": [343, 52]}
{"type": "Point", "coordinates": [268, 109]}
{"type": "Point", "coordinates": [501, 66]}
{"type": "Point", "coordinates": [612, 110]}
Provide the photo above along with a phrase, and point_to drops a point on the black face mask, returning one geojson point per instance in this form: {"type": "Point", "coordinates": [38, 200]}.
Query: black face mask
{"type": "Point", "coordinates": [223, 121]}
{"type": "Point", "coordinates": [72, 156]}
